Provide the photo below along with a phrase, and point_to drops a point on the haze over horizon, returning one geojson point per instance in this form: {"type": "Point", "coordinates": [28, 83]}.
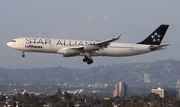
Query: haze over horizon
{"type": "Point", "coordinates": [86, 20]}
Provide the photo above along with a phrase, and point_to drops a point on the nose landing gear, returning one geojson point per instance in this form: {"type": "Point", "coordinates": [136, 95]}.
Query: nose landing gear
{"type": "Point", "coordinates": [23, 55]}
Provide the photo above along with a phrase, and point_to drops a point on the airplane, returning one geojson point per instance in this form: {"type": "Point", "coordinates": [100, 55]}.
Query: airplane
{"type": "Point", "coordinates": [89, 49]}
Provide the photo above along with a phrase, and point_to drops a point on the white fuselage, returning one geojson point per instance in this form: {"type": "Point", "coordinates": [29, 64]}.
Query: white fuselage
{"type": "Point", "coordinates": [46, 45]}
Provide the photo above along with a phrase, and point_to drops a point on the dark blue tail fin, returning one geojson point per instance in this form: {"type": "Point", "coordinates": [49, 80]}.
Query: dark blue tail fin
{"type": "Point", "coordinates": [156, 37]}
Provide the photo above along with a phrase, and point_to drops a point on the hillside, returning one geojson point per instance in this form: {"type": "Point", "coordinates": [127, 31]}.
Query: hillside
{"type": "Point", "coordinates": [165, 72]}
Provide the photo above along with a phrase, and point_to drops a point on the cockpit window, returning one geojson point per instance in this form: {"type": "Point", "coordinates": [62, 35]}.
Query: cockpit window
{"type": "Point", "coordinates": [13, 40]}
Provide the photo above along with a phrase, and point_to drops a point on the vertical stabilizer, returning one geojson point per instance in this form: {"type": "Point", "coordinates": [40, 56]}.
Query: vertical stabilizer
{"type": "Point", "coordinates": [156, 37]}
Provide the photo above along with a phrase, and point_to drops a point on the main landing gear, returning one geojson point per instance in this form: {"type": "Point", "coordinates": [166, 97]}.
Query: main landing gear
{"type": "Point", "coordinates": [23, 55]}
{"type": "Point", "coordinates": [88, 60]}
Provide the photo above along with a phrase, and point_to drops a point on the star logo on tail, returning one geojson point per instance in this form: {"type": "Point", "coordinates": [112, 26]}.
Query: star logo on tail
{"type": "Point", "coordinates": [156, 37]}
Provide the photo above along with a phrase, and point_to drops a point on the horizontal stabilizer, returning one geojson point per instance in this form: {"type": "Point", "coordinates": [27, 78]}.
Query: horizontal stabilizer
{"type": "Point", "coordinates": [158, 47]}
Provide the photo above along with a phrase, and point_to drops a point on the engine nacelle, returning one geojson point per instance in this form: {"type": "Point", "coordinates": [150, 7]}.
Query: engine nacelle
{"type": "Point", "coordinates": [91, 47]}
{"type": "Point", "coordinates": [69, 52]}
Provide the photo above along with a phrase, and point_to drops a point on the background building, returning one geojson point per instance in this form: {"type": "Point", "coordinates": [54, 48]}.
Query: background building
{"type": "Point", "coordinates": [116, 91]}
{"type": "Point", "coordinates": [120, 89]}
{"type": "Point", "coordinates": [178, 84]}
{"type": "Point", "coordinates": [146, 78]}
{"type": "Point", "coordinates": [159, 91]}
{"type": "Point", "coordinates": [179, 93]}
{"type": "Point", "coordinates": [171, 94]}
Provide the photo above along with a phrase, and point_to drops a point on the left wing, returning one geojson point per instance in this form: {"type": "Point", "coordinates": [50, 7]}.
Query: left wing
{"type": "Point", "coordinates": [105, 43]}
{"type": "Point", "coordinates": [97, 45]}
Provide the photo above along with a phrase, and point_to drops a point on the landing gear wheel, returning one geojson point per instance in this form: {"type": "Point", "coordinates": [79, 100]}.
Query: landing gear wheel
{"type": "Point", "coordinates": [23, 56]}
{"type": "Point", "coordinates": [90, 61]}
{"type": "Point", "coordinates": [85, 60]}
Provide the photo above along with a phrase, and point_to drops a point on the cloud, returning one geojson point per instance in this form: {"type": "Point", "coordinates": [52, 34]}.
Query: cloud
{"type": "Point", "coordinates": [76, 28]}
{"type": "Point", "coordinates": [39, 34]}
{"type": "Point", "coordinates": [106, 18]}
{"type": "Point", "coordinates": [126, 21]}
{"type": "Point", "coordinates": [84, 27]}
{"type": "Point", "coordinates": [90, 17]}
{"type": "Point", "coordinates": [61, 31]}
{"type": "Point", "coordinates": [89, 29]}
{"type": "Point", "coordinates": [148, 22]}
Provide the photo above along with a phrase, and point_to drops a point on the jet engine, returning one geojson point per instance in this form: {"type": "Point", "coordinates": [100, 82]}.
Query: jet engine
{"type": "Point", "coordinates": [91, 47]}
{"type": "Point", "coordinates": [69, 52]}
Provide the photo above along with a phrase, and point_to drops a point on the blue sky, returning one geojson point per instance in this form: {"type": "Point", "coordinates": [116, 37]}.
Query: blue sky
{"type": "Point", "coordinates": [86, 20]}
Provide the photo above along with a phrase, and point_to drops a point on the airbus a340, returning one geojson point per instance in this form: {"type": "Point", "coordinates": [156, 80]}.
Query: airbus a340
{"type": "Point", "coordinates": [70, 48]}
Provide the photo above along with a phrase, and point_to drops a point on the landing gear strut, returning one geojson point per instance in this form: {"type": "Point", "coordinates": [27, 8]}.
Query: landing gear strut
{"type": "Point", "coordinates": [23, 55]}
{"type": "Point", "coordinates": [88, 60]}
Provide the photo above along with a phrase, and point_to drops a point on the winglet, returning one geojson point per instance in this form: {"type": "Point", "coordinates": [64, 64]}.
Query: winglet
{"type": "Point", "coordinates": [117, 37]}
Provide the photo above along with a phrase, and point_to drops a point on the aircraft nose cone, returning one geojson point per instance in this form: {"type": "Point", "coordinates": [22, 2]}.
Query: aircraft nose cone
{"type": "Point", "coordinates": [9, 44]}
